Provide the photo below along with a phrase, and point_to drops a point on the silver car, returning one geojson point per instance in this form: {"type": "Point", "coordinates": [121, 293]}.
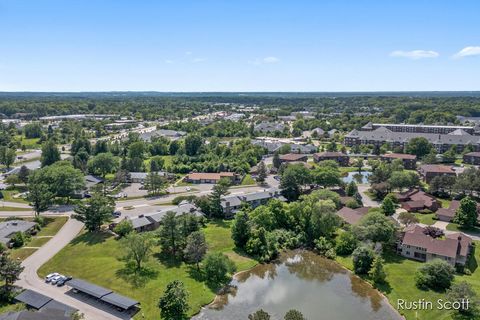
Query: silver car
{"type": "Point", "coordinates": [50, 276]}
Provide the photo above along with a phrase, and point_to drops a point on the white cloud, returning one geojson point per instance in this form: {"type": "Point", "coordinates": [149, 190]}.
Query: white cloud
{"type": "Point", "coordinates": [271, 60]}
{"type": "Point", "coordinates": [414, 54]}
{"type": "Point", "coordinates": [188, 53]}
{"type": "Point", "coordinates": [467, 52]}
{"type": "Point", "coordinates": [265, 60]}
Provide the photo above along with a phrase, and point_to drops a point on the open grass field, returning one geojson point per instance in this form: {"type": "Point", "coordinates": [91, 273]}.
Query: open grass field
{"type": "Point", "coordinates": [9, 195]}
{"type": "Point", "coordinates": [426, 218]}
{"type": "Point", "coordinates": [95, 257]}
{"type": "Point", "coordinates": [400, 284]}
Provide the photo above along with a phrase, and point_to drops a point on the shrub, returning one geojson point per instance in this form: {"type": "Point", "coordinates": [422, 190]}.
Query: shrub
{"type": "Point", "coordinates": [217, 267]}
{"type": "Point", "coordinates": [190, 198]}
{"type": "Point", "coordinates": [18, 239]}
{"type": "Point", "coordinates": [322, 245]}
{"type": "Point", "coordinates": [123, 228]}
{"type": "Point", "coordinates": [433, 232]}
{"type": "Point", "coordinates": [352, 204]}
{"type": "Point", "coordinates": [345, 243]}
{"type": "Point", "coordinates": [436, 274]}
{"type": "Point", "coordinates": [362, 260]}
{"type": "Point", "coordinates": [41, 221]}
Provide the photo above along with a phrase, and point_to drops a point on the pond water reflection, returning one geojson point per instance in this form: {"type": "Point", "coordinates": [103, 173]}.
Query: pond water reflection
{"type": "Point", "coordinates": [301, 280]}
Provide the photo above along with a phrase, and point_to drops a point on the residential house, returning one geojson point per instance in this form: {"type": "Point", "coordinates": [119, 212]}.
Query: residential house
{"type": "Point", "coordinates": [205, 177]}
{"type": "Point", "coordinates": [409, 160]}
{"type": "Point", "coordinates": [302, 148]}
{"type": "Point", "coordinates": [339, 157]}
{"type": "Point", "coordinates": [170, 134]}
{"type": "Point", "coordinates": [447, 214]}
{"type": "Point", "coordinates": [151, 221]}
{"type": "Point", "coordinates": [472, 158]}
{"type": "Point", "coordinates": [293, 157]}
{"type": "Point", "coordinates": [233, 203]}
{"type": "Point", "coordinates": [352, 216]}
{"type": "Point", "coordinates": [92, 181]}
{"type": "Point", "coordinates": [416, 200]}
{"type": "Point", "coordinates": [138, 177]}
{"type": "Point", "coordinates": [269, 127]}
{"type": "Point", "coordinates": [10, 227]}
{"type": "Point", "coordinates": [430, 171]}
{"type": "Point", "coordinates": [441, 141]}
{"type": "Point", "coordinates": [418, 245]}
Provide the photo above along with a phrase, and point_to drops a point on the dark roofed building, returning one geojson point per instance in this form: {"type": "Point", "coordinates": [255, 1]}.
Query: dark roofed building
{"type": "Point", "coordinates": [416, 200]}
{"type": "Point", "coordinates": [88, 288]}
{"type": "Point", "coordinates": [119, 301]}
{"type": "Point", "coordinates": [47, 306]}
{"type": "Point", "coordinates": [33, 299]}
{"type": "Point", "coordinates": [352, 216]}
{"type": "Point", "coordinates": [409, 160]}
{"type": "Point", "coordinates": [293, 157]}
{"type": "Point", "coordinates": [430, 171]}
{"type": "Point", "coordinates": [339, 157]}
{"type": "Point", "coordinates": [472, 158]}
{"type": "Point", "coordinates": [418, 245]}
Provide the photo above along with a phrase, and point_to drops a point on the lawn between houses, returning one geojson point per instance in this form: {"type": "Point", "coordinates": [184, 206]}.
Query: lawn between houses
{"type": "Point", "coordinates": [400, 284]}
{"type": "Point", "coordinates": [95, 257]}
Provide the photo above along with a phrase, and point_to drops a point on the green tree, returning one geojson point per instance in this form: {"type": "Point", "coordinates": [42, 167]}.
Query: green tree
{"type": "Point", "coordinates": [174, 302]}
{"type": "Point", "coordinates": [155, 183]}
{"type": "Point", "coordinates": [215, 198]}
{"type": "Point", "coordinates": [294, 315]}
{"type": "Point", "coordinates": [388, 207]}
{"type": "Point", "coordinates": [196, 248]}
{"type": "Point", "coordinates": [463, 291]}
{"type": "Point", "coordinates": [351, 189]}
{"type": "Point", "coordinates": [193, 143]}
{"type": "Point", "coordinates": [407, 218]}
{"type": "Point", "coordinates": [50, 153]}
{"type": "Point", "coordinates": [7, 156]}
{"type": "Point", "coordinates": [377, 273]}
{"type": "Point", "coordinates": [419, 146]}
{"type": "Point", "coordinates": [123, 228]}
{"type": "Point", "coordinates": [259, 315]}
{"type": "Point", "coordinates": [80, 143]}
{"type": "Point", "coordinates": [292, 180]}
{"type": "Point", "coordinates": [241, 229]}
{"type": "Point", "coordinates": [362, 260]}
{"type": "Point", "coordinates": [32, 130]}
{"type": "Point", "coordinates": [346, 242]}
{"type": "Point", "coordinates": [156, 163]}
{"type": "Point", "coordinates": [217, 267]}
{"type": "Point", "coordinates": [436, 274]}
{"type": "Point", "coordinates": [103, 164]}
{"type": "Point", "coordinates": [169, 234]}
{"type": "Point", "coordinates": [467, 214]}
{"type": "Point", "coordinates": [80, 160]}
{"type": "Point", "coordinates": [39, 194]}
{"type": "Point", "coordinates": [13, 180]}
{"type": "Point", "coordinates": [403, 179]}
{"type": "Point", "coordinates": [23, 174]}
{"type": "Point", "coordinates": [138, 248]}
{"type": "Point", "coordinates": [262, 172]}
{"type": "Point", "coordinates": [276, 160]}
{"type": "Point", "coordinates": [10, 271]}
{"type": "Point", "coordinates": [63, 179]}
{"type": "Point", "coordinates": [376, 227]}
{"type": "Point", "coordinates": [95, 212]}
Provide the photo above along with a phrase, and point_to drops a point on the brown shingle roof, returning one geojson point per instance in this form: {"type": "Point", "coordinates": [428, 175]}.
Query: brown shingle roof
{"type": "Point", "coordinates": [436, 168]}
{"type": "Point", "coordinates": [416, 238]}
{"type": "Point", "coordinates": [400, 156]}
{"type": "Point", "coordinates": [352, 216]}
{"type": "Point", "coordinates": [292, 157]}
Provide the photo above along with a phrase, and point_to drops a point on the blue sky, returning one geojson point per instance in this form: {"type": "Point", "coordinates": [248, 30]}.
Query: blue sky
{"type": "Point", "coordinates": [103, 45]}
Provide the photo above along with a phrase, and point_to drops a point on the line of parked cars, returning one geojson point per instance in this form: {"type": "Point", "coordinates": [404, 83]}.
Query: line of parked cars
{"type": "Point", "coordinates": [57, 279]}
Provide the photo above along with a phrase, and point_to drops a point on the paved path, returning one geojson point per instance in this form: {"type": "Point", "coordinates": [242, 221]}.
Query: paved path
{"type": "Point", "coordinates": [30, 280]}
{"type": "Point", "coordinates": [367, 202]}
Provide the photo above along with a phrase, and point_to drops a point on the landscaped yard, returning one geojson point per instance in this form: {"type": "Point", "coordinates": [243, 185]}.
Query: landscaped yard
{"type": "Point", "coordinates": [95, 258]}
{"type": "Point", "coordinates": [401, 284]}
{"type": "Point", "coordinates": [9, 195]}
{"type": "Point", "coordinates": [248, 180]}
{"type": "Point", "coordinates": [426, 218]}
{"type": "Point", "coordinates": [456, 227]}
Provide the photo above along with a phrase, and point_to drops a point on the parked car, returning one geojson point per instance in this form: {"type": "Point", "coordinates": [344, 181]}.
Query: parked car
{"type": "Point", "coordinates": [116, 214]}
{"type": "Point", "coordinates": [55, 279]}
{"type": "Point", "coordinates": [62, 281]}
{"type": "Point", "coordinates": [50, 276]}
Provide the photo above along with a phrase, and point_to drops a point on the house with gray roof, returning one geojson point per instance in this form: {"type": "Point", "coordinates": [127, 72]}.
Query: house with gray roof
{"type": "Point", "coordinates": [269, 127]}
{"type": "Point", "coordinates": [232, 203]}
{"type": "Point", "coordinates": [10, 227]}
{"type": "Point", "coordinates": [441, 141]}
{"type": "Point", "coordinates": [170, 134]}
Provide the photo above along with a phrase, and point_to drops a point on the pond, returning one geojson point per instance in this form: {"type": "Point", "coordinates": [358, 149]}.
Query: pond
{"type": "Point", "coordinates": [358, 177]}
{"type": "Point", "coordinates": [302, 280]}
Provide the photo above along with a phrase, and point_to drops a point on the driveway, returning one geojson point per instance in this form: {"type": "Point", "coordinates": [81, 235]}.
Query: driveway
{"type": "Point", "coordinates": [30, 280]}
{"type": "Point", "coordinates": [367, 202]}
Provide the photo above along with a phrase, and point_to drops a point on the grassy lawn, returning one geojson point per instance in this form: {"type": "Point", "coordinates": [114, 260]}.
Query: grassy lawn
{"type": "Point", "coordinates": [248, 181]}
{"type": "Point", "coordinates": [7, 307]}
{"type": "Point", "coordinates": [445, 202]}
{"type": "Point", "coordinates": [8, 195]}
{"type": "Point", "coordinates": [456, 227]}
{"type": "Point", "coordinates": [21, 253]}
{"type": "Point", "coordinates": [400, 284]}
{"type": "Point", "coordinates": [53, 226]}
{"type": "Point", "coordinates": [37, 242]}
{"type": "Point", "coordinates": [14, 209]}
{"type": "Point", "coordinates": [426, 218]}
{"type": "Point", "coordinates": [95, 258]}
{"type": "Point", "coordinates": [30, 143]}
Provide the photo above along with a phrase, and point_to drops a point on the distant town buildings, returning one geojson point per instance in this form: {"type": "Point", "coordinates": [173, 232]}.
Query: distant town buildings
{"type": "Point", "coordinates": [339, 157]}
{"type": "Point", "coordinates": [207, 177]}
{"type": "Point", "coordinates": [269, 127]}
